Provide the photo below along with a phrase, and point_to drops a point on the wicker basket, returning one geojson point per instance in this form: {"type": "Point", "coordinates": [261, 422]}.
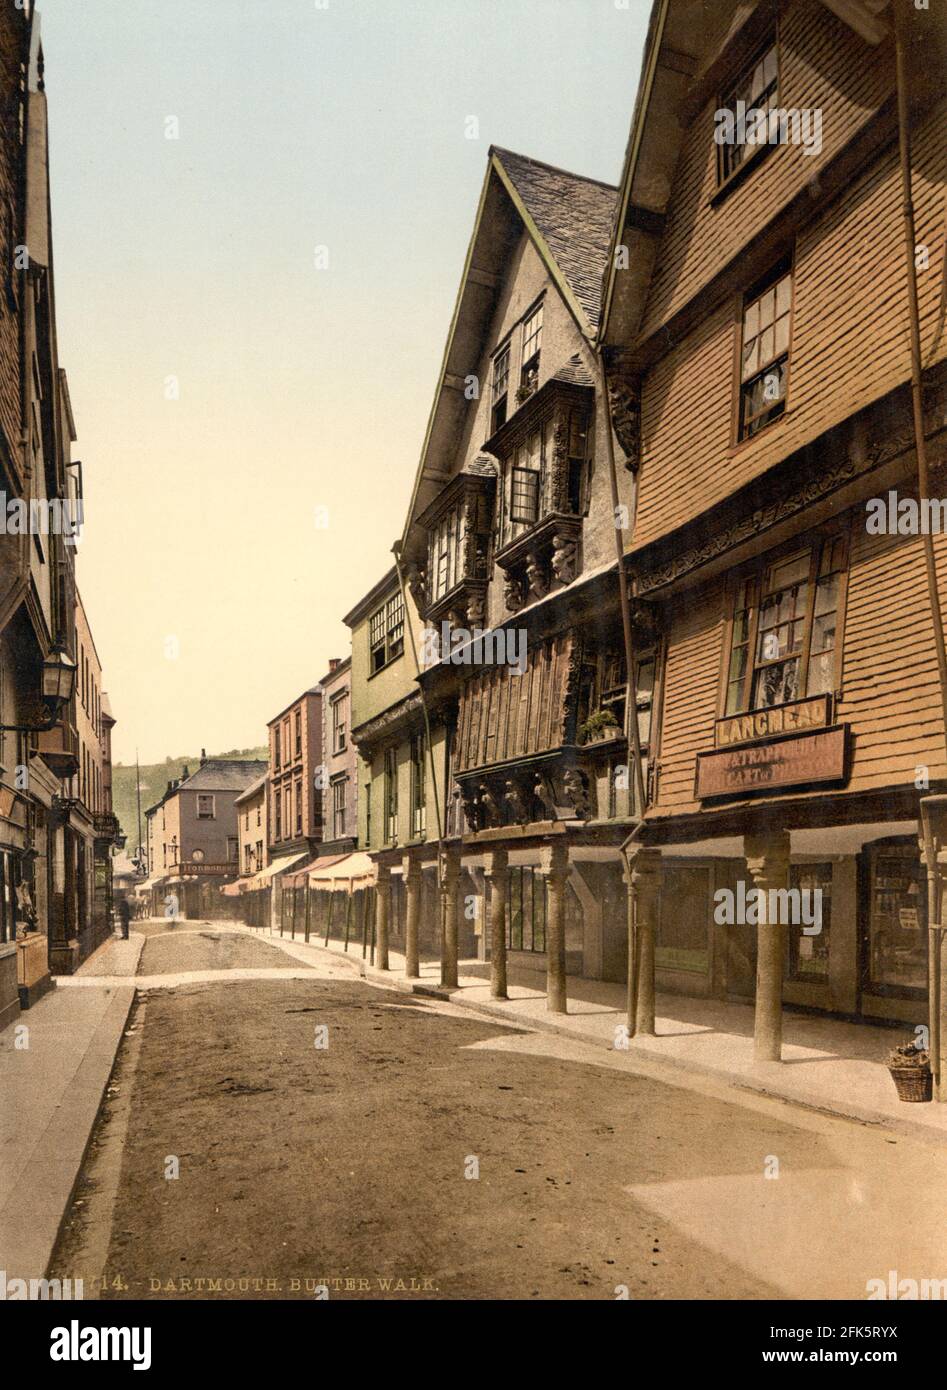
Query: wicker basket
{"type": "Point", "coordinates": [913, 1083]}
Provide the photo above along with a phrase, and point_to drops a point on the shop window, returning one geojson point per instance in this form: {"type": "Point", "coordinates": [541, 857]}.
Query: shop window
{"type": "Point", "coordinates": [784, 630]}
{"type": "Point", "coordinates": [809, 955]}
{"type": "Point", "coordinates": [526, 916]}
{"type": "Point", "coordinates": [418, 788]}
{"type": "Point", "coordinates": [897, 920]}
{"type": "Point", "coordinates": [8, 882]}
{"type": "Point", "coordinates": [682, 937]}
{"type": "Point", "coordinates": [391, 796]}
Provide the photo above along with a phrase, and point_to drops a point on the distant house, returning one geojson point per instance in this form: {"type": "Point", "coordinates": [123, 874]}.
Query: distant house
{"type": "Point", "coordinates": [192, 830]}
{"type": "Point", "coordinates": [251, 827]}
{"type": "Point", "coordinates": [295, 738]}
{"type": "Point", "coordinates": [339, 792]}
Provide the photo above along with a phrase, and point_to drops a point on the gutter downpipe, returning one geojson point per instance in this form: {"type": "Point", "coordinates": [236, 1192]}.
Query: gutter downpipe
{"type": "Point", "coordinates": [631, 697]}
{"type": "Point", "coordinates": [933, 804]}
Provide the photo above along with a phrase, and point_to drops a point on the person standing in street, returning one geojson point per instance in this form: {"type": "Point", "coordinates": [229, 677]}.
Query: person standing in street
{"type": "Point", "coordinates": [124, 916]}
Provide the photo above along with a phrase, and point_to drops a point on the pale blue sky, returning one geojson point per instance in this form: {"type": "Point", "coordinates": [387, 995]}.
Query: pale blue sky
{"type": "Point", "coordinates": [300, 126]}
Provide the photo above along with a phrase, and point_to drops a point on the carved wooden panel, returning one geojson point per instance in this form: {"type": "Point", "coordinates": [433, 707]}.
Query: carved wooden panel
{"type": "Point", "coordinates": [504, 715]}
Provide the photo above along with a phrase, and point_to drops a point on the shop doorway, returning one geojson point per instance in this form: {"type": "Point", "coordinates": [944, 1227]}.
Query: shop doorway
{"type": "Point", "coordinates": [892, 930]}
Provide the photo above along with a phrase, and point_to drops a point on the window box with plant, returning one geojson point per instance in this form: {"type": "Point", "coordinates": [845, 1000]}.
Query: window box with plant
{"type": "Point", "coordinates": [599, 726]}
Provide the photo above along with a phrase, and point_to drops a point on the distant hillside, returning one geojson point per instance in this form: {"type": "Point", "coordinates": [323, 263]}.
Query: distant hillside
{"type": "Point", "coordinates": [154, 779]}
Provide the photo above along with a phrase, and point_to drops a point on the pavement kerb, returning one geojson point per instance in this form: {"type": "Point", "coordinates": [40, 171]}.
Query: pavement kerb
{"type": "Point", "coordinates": [135, 939]}
{"type": "Point", "coordinates": [58, 1155]}
{"type": "Point", "coordinates": [846, 1110]}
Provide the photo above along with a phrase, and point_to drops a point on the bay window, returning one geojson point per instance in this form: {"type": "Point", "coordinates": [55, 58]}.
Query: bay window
{"type": "Point", "coordinates": [446, 553]}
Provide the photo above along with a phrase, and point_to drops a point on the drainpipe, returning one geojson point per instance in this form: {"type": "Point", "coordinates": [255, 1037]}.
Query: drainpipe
{"type": "Point", "coordinates": [929, 805]}
{"type": "Point", "coordinates": [631, 696]}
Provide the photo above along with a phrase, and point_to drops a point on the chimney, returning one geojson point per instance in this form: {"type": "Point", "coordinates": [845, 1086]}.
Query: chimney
{"type": "Point", "coordinates": [185, 774]}
{"type": "Point", "coordinates": [334, 663]}
{"type": "Point", "coordinates": [203, 756]}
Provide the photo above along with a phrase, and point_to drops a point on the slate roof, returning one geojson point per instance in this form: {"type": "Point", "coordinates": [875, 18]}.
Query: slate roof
{"type": "Point", "coordinates": [576, 217]}
{"type": "Point", "coordinates": [253, 788]}
{"type": "Point", "coordinates": [574, 371]}
{"type": "Point", "coordinates": [225, 774]}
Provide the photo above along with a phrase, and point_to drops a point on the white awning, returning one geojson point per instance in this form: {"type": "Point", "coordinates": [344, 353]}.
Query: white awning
{"type": "Point", "coordinates": [354, 871]}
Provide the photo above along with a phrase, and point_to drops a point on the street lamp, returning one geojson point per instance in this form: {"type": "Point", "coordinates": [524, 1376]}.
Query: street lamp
{"type": "Point", "coordinates": [59, 679]}
{"type": "Point", "coordinates": [59, 683]}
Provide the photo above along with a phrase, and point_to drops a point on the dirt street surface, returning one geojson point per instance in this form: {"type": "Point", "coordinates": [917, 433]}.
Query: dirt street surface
{"type": "Point", "coordinates": [197, 947]}
{"type": "Point", "coordinates": [419, 1151]}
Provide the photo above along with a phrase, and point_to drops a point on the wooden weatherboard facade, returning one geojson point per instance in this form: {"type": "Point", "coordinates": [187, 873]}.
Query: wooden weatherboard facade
{"type": "Point", "coordinates": [761, 335]}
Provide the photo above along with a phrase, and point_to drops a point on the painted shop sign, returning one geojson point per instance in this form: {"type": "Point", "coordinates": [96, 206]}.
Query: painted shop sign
{"type": "Point", "coordinates": [785, 762]}
{"type": "Point", "coordinates": [770, 723]}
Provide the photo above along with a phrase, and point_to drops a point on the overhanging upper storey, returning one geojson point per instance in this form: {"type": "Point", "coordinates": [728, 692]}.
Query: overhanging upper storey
{"type": "Point", "coordinates": [531, 286]}
{"type": "Point", "coordinates": [698, 53]}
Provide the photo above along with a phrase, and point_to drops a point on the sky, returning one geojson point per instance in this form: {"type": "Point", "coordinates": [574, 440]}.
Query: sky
{"type": "Point", "coordinates": [260, 215]}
